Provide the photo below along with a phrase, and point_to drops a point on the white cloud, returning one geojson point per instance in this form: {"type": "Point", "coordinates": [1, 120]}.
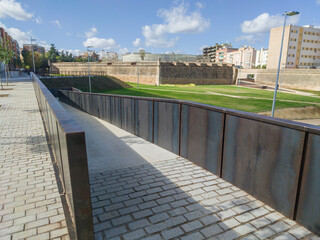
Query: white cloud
{"type": "Point", "coordinates": [45, 45]}
{"type": "Point", "coordinates": [57, 23]}
{"type": "Point", "coordinates": [136, 42]}
{"type": "Point", "coordinates": [68, 33]}
{"type": "Point", "coordinates": [74, 52]}
{"type": "Point", "coordinates": [264, 22]}
{"type": "Point", "coordinates": [101, 43]}
{"type": "Point", "coordinates": [38, 20]}
{"type": "Point", "coordinates": [248, 38]}
{"type": "Point", "coordinates": [199, 5]}
{"type": "Point", "coordinates": [93, 32]}
{"type": "Point", "coordinates": [13, 9]}
{"type": "Point", "coordinates": [123, 51]}
{"type": "Point", "coordinates": [17, 34]}
{"type": "Point", "coordinates": [176, 20]}
{"type": "Point", "coordinates": [318, 2]}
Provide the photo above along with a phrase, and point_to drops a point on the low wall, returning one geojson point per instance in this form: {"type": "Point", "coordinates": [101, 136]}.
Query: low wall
{"type": "Point", "coordinates": [276, 161]}
{"type": "Point", "coordinates": [154, 73]}
{"type": "Point", "coordinates": [304, 79]}
{"type": "Point", "coordinates": [69, 149]}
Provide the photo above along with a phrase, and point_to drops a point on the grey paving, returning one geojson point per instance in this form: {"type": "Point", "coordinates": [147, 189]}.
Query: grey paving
{"type": "Point", "coordinates": [148, 193]}
{"type": "Point", "coordinates": [30, 205]}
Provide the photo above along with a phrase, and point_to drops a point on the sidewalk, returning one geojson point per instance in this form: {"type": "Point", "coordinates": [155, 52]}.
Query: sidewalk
{"type": "Point", "coordinates": [30, 205]}
{"type": "Point", "coordinates": [141, 191]}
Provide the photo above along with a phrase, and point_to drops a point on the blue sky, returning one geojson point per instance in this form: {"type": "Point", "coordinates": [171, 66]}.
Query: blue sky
{"type": "Point", "coordinates": [156, 26]}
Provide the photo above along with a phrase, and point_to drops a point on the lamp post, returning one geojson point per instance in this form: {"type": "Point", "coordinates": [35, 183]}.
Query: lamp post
{"type": "Point", "coordinates": [34, 67]}
{"type": "Point", "coordinates": [289, 13]}
{"type": "Point", "coordinates": [89, 68]}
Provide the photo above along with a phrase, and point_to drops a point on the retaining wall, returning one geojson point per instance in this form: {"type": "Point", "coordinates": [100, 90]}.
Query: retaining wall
{"type": "Point", "coordinates": [154, 73]}
{"type": "Point", "coordinates": [277, 161]}
{"type": "Point", "coordinates": [69, 148]}
{"type": "Point", "coordinates": [304, 79]}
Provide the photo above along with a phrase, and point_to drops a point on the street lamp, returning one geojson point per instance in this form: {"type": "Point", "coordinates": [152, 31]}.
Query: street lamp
{"type": "Point", "coordinates": [89, 67]}
{"type": "Point", "coordinates": [289, 13]}
{"type": "Point", "coordinates": [34, 67]}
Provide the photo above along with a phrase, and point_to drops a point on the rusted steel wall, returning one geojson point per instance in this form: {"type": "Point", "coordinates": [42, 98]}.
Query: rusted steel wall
{"type": "Point", "coordinates": [308, 213]}
{"type": "Point", "coordinates": [69, 149]}
{"type": "Point", "coordinates": [201, 137]}
{"type": "Point", "coordinates": [275, 160]}
{"type": "Point", "coordinates": [264, 160]}
{"type": "Point", "coordinates": [167, 125]}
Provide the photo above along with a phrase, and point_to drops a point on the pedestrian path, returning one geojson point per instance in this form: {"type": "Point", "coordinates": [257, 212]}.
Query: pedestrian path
{"type": "Point", "coordinates": [30, 204]}
{"type": "Point", "coordinates": [140, 191]}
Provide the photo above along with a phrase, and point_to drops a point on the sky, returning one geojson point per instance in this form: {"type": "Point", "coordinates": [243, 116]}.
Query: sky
{"type": "Point", "coordinates": [162, 26]}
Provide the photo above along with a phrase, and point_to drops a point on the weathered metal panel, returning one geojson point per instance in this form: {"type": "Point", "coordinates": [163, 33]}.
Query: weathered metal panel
{"type": "Point", "coordinates": [308, 213]}
{"type": "Point", "coordinates": [127, 114]}
{"type": "Point", "coordinates": [144, 119]}
{"type": "Point", "coordinates": [201, 137]}
{"type": "Point", "coordinates": [115, 111]}
{"type": "Point", "coordinates": [167, 125]}
{"type": "Point", "coordinates": [263, 160]}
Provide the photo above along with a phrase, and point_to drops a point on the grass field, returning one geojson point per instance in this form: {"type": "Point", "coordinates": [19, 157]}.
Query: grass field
{"type": "Point", "coordinates": [240, 98]}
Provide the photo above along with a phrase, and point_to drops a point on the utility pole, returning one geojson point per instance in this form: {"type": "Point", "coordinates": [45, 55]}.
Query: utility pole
{"type": "Point", "coordinates": [34, 67]}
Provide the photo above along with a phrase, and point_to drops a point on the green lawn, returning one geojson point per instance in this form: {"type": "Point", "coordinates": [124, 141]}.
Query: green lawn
{"type": "Point", "coordinates": [208, 94]}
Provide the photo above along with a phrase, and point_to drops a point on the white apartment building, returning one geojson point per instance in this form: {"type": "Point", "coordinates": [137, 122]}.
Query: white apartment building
{"type": "Point", "coordinates": [301, 47]}
{"type": "Point", "coordinates": [261, 57]}
{"type": "Point", "coordinates": [244, 57]}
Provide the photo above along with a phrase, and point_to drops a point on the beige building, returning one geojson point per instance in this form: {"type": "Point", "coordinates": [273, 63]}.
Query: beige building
{"type": "Point", "coordinates": [244, 57]}
{"type": "Point", "coordinates": [301, 47]}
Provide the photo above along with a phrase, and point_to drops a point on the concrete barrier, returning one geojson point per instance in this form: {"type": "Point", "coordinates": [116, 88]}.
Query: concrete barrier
{"type": "Point", "coordinates": [277, 161]}
{"type": "Point", "coordinates": [69, 149]}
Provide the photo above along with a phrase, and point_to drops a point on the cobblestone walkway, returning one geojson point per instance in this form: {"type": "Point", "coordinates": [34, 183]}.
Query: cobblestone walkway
{"type": "Point", "coordinates": [176, 199]}
{"type": "Point", "coordinates": [30, 205]}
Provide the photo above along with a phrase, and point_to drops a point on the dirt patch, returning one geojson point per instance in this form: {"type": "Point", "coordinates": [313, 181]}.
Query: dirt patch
{"type": "Point", "coordinates": [4, 95]}
{"type": "Point", "coordinates": [310, 112]}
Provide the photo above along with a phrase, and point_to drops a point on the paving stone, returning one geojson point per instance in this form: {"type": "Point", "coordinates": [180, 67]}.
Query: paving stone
{"type": "Point", "coordinates": [193, 236]}
{"type": "Point", "coordinates": [142, 214]}
{"type": "Point", "coordinates": [155, 228]}
{"type": "Point", "coordinates": [299, 232]}
{"type": "Point", "coordinates": [115, 231]}
{"type": "Point", "coordinates": [211, 231]}
{"type": "Point", "coordinates": [244, 229]}
{"type": "Point", "coordinates": [159, 217]}
{"type": "Point", "coordinates": [188, 227]}
{"type": "Point", "coordinates": [137, 234]}
{"type": "Point", "coordinates": [174, 221]}
{"type": "Point", "coordinates": [279, 227]}
{"type": "Point", "coordinates": [264, 233]}
{"type": "Point", "coordinates": [138, 224]}
{"type": "Point", "coordinates": [121, 220]}
{"type": "Point", "coordinates": [172, 233]}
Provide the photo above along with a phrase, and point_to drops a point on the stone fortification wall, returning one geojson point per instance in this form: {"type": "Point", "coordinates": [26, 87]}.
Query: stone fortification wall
{"type": "Point", "coordinates": [197, 73]}
{"type": "Point", "coordinates": [154, 73]}
{"type": "Point", "coordinates": [148, 71]}
{"type": "Point", "coordinates": [304, 79]}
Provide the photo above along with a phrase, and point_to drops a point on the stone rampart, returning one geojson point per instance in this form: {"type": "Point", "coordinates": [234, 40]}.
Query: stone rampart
{"type": "Point", "coordinates": [154, 73]}
{"type": "Point", "coordinates": [304, 79]}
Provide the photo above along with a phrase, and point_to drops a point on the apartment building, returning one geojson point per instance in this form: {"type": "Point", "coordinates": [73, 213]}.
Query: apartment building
{"type": "Point", "coordinates": [221, 53]}
{"type": "Point", "coordinates": [11, 44]}
{"type": "Point", "coordinates": [244, 57]}
{"type": "Point", "coordinates": [211, 52]}
{"type": "Point", "coordinates": [261, 57]}
{"type": "Point", "coordinates": [301, 47]}
{"type": "Point", "coordinates": [36, 48]}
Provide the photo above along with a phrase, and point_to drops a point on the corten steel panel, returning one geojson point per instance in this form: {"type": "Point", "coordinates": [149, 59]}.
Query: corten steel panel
{"type": "Point", "coordinates": [105, 108]}
{"type": "Point", "coordinates": [143, 111]}
{"type": "Point", "coordinates": [201, 137]}
{"type": "Point", "coordinates": [127, 114]}
{"type": "Point", "coordinates": [263, 160]}
{"type": "Point", "coordinates": [115, 111]}
{"type": "Point", "coordinates": [309, 202]}
{"type": "Point", "coordinates": [167, 125]}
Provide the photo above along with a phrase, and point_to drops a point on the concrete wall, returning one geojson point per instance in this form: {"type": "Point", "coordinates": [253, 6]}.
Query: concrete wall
{"type": "Point", "coordinates": [304, 79]}
{"type": "Point", "coordinates": [154, 73]}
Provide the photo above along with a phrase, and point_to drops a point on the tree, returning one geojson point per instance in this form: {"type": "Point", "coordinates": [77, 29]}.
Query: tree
{"type": "Point", "coordinates": [6, 55]}
{"type": "Point", "coordinates": [53, 53]}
